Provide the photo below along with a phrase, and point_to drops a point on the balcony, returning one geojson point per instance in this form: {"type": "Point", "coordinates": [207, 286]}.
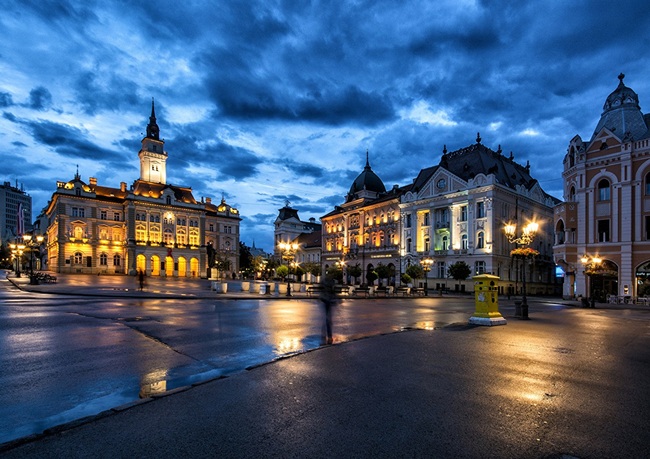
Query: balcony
{"type": "Point", "coordinates": [442, 225]}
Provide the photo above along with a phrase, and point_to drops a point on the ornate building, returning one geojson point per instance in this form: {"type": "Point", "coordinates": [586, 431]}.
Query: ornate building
{"type": "Point", "coordinates": [457, 210]}
{"type": "Point", "coordinates": [365, 229]}
{"type": "Point", "coordinates": [602, 229]}
{"type": "Point", "coordinates": [152, 225]}
{"type": "Point", "coordinates": [289, 229]}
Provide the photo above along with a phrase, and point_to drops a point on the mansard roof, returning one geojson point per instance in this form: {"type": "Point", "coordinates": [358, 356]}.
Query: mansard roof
{"type": "Point", "coordinates": [155, 190]}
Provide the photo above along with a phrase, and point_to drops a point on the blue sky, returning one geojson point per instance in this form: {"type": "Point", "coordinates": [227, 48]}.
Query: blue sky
{"type": "Point", "coordinates": [267, 101]}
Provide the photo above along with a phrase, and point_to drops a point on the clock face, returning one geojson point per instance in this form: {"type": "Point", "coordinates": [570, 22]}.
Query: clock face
{"type": "Point", "coordinates": [441, 183]}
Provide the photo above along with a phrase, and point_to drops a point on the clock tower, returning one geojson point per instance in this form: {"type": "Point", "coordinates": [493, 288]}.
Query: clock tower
{"type": "Point", "coordinates": [153, 158]}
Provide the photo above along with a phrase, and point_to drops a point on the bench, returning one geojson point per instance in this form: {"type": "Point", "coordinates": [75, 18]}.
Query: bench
{"type": "Point", "coordinates": [363, 290]}
{"type": "Point", "coordinates": [417, 291]}
{"type": "Point", "coordinates": [314, 290]}
{"type": "Point", "coordinates": [403, 290]}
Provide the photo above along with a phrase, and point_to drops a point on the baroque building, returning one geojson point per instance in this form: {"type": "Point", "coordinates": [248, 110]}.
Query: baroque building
{"type": "Point", "coordinates": [602, 229]}
{"type": "Point", "coordinates": [290, 229]}
{"type": "Point", "coordinates": [454, 211]}
{"type": "Point", "coordinates": [457, 210]}
{"type": "Point", "coordinates": [152, 225]}
{"type": "Point", "coordinates": [365, 229]}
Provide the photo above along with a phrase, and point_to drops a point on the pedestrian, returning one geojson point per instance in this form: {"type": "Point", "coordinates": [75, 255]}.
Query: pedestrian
{"type": "Point", "coordinates": [328, 298]}
{"type": "Point", "coordinates": [141, 278]}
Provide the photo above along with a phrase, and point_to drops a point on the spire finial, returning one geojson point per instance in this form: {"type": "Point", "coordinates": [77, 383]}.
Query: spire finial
{"type": "Point", "coordinates": [499, 149]}
{"type": "Point", "coordinates": [153, 131]}
{"type": "Point", "coordinates": [620, 77]}
{"type": "Point", "coordinates": [367, 159]}
{"type": "Point", "coordinates": [77, 176]}
{"type": "Point", "coordinates": [478, 137]}
{"type": "Point", "coordinates": [444, 149]}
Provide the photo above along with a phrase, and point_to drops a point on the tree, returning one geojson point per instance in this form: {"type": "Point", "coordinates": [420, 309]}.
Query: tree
{"type": "Point", "coordinates": [334, 274]}
{"type": "Point", "coordinates": [312, 268]}
{"type": "Point", "coordinates": [384, 271]}
{"type": "Point", "coordinates": [245, 260]}
{"type": "Point", "coordinates": [460, 271]}
{"type": "Point", "coordinates": [406, 279]}
{"type": "Point", "coordinates": [354, 271]}
{"type": "Point", "coordinates": [282, 271]}
{"type": "Point", "coordinates": [371, 277]}
{"type": "Point", "coordinates": [415, 271]}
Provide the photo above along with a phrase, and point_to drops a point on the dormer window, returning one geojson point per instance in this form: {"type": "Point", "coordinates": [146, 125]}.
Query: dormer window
{"type": "Point", "coordinates": [168, 200]}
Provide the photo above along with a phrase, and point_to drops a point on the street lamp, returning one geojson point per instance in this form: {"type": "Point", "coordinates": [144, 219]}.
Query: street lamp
{"type": "Point", "coordinates": [17, 253]}
{"type": "Point", "coordinates": [32, 243]}
{"type": "Point", "coordinates": [527, 236]}
{"type": "Point", "coordinates": [288, 250]}
{"type": "Point", "coordinates": [426, 267]}
{"type": "Point", "coordinates": [590, 265]}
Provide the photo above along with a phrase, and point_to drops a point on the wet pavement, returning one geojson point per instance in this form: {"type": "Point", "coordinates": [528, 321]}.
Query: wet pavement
{"type": "Point", "coordinates": [568, 383]}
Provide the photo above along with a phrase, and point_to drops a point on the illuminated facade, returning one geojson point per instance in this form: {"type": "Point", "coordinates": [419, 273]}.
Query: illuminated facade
{"type": "Point", "coordinates": [454, 211]}
{"type": "Point", "coordinates": [457, 210]}
{"type": "Point", "coordinates": [602, 229]}
{"type": "Point", "coordinates": [152, 225]}
{"type": "Point", "coordinates": [365, 229]}
{"type": "Point", "coordinates": [288, 228]}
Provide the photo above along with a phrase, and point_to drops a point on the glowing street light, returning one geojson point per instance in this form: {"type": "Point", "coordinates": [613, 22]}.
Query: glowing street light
{"type": "Point", "coordinates": [590, 265]}
{"type": "Point", "coordinates": [525, 239]}
{"type": "Point", "coordinates": [426, 267]}
{"type": "Point", "coordinates": [32, 243]}
{"type": "Point", "coordinates": [288, 250]}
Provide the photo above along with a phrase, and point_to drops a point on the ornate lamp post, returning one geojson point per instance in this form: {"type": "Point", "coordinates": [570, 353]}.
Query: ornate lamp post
{"type": "Point", "coordinates": [426, 267]}
{"type": "Point", "coordinates": [32, 243]}
{"type": "Point", "coordinates": [590, 265]}
{"type": "Point", "coordinates": [288, 250]}
{"type": "Point", "coordinates": [527, 236]}
{"type": "Point", "coordinates": [17, 253]}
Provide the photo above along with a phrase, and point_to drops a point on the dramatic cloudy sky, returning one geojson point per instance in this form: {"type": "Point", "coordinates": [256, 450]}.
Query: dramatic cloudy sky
{"type": "Point", "coordinates": [266, 101]}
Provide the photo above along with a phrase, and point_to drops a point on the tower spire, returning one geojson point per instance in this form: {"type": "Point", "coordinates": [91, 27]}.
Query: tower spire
{"type": "Point", "coordinates": [367, 160]}
{"type": "Point", "coordinates": [153, 131]}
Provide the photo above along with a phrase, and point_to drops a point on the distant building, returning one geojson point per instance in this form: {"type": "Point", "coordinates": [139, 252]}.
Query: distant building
{"type": "Point", "coordinates": [151, 226]}
{"type": "Point", "coordinates": [602, 229]}
{"type": "Point", "coordinates": [290, 229]}
{"type": "Point", "coordinates": [15, 212]}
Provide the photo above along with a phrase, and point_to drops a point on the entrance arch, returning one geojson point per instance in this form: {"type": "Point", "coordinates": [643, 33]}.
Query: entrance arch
{"type": "Point", "coordinates": [155, 265]}
{"type": "Point", "coordinates": [182, 267]}
{"type": "Point", "coordinates": [194, 267]}
{"type": "Point", "coordinates": [169, 266]}
{"type": "Point", "coordinates": [141, 263]}
{"type": "Point", "coordinates": [603, 280]}
{"type": "Point", "coordinates": [642, 276]}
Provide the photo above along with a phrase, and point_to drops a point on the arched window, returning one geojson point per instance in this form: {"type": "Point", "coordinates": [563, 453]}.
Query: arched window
{"type": "Point", "coordinates": [427, 244]}
{"type": "Point", "coordinates": [117, 260]}
{"type": "Point", "coordinates": [445, 243]}
{"type": "Point", "coordinates": [647, 184]}
{"type": "Point", "coordinates": [604, 190]}
{"type": "Point", "coordinates": [103, 259]}
{"type": "Point", "coordinates": [78, 258]}
{"type": "Point", "coordinates": [572, 194]}
{"type": "Point", "coordinates": [463, 242]}
{"type": "Point", "coordinates": [480, 240]}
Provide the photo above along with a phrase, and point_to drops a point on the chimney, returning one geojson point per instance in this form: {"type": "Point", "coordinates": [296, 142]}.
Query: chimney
{"type": "Point", "coordinates": [93, 181]}
{"type": "Point", "coordinates": [122, 187]}
{"type": "Point", "coordinates": [208, 200]}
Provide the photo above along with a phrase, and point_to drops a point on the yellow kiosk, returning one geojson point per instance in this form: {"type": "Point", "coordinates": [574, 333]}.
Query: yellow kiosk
{"type": "Point", "coordinates": [486, 298]}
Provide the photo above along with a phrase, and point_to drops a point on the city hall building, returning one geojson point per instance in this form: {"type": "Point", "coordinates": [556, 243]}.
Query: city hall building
{"type": "Point", "coordinates": [151, 225]}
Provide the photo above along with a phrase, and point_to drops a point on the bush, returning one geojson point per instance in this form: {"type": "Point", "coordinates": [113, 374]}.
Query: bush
{"type": "Point", "coordinates": [406, 279]}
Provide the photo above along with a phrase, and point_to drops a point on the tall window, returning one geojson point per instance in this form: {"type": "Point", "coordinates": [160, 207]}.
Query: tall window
{"type": "Point", "coordinates": [463, 214]}
{"type": "Point", "coordinates": [102, 215]}
{"type": "Point", "coordinates": [78, 258]}
{"type": "Point", "coordinates": [442, 270]}
{"type": "Point", "coordinates": [117, 259]}
{"type": "Point", "coordinates": [427, 244]}
{"type": "Point", "coordinates": [445, 242]}
{"type": "Point", "coordinates": [408, 245]}
{"type": "Point", "coordinates": [103, 259]}
{"type": "Point", "coordinates": [426, 219]}
{"type": "Point", "coordinates": [408, 220]}
{"type": "Point", "coordinates": [480, 209]}
{"type": "Point", "coordinates": [603, 231]}
{"type": "Point", "coordinates": [479, 267]}
{"type": "Point", "coordinates": [463, 242]}
{"type": "Point", "coordinates": [116, 216]}
{"type": "Point", "coordinates": [603, 190]}
{"type": "Point", "coordinates": [480, 240]}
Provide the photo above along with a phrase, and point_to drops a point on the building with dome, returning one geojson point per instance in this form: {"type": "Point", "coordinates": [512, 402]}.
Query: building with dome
{"type": "Point", "coordinates": [602, 229]}
{"type": "Point", "coordinates": [365, 229]}
{"type": "Point", "coordinates": [453, 211]}
{"type": "Point", "coordinates": [151, 225]}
